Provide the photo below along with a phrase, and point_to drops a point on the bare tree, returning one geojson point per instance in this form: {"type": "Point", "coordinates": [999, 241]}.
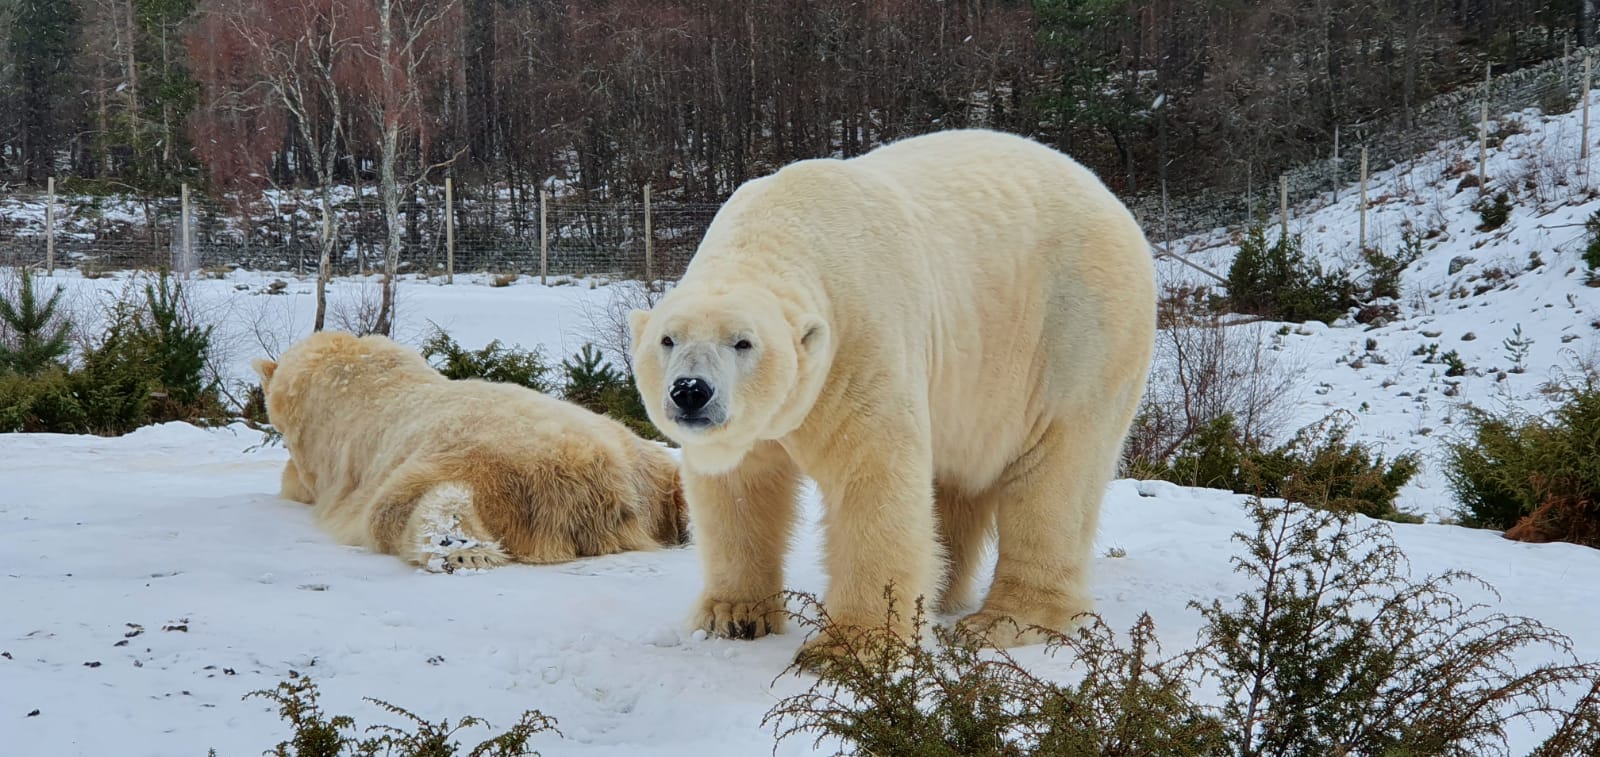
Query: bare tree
{"type": "Point", "coordinates": [608, 323]}
{"type": "Point", "coordinates": [290, 51]}
{"type": "Point", "coordinates": [1206, 369]}
{"type": "Point", "coordinates": [405, 47]}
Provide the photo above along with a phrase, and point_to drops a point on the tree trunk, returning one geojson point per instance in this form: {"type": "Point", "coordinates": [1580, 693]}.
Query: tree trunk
{"type": "Point", "coordinates": [324, 263]}
{"type": "Point", "coordinates": [1585, 22]}
{"type": "Point", "coordinates": [388, 156]}
{"type": "Point", "coordinates": [131, 72]}
{"type": "Point", "coordinates": [389, 188]}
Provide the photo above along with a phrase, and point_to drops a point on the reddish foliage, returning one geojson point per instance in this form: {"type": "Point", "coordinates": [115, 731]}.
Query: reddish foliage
{"type": "Point", "coordinates": [234, 131]}
{"type": "Point", "coordinates": [1560, 518]}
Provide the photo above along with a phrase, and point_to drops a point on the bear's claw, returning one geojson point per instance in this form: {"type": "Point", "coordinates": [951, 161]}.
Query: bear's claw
{"type": "Point", "coordinates": [839, 644]}
{"type": "Point", "coordinates": [740, 620]}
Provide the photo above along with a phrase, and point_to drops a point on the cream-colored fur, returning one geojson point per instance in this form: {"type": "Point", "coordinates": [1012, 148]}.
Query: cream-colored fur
{"type": "Point", "coordinates": [447, 474]}
{"type": "Point", "coordinates": [950, 334]}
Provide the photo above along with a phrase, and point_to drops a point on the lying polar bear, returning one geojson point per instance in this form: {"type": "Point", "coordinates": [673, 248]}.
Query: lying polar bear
{"type": "Point", "coordinates": [447, 474]}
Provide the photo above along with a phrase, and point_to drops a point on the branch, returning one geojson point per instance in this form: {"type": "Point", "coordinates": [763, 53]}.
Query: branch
{"type": "Point", "coordinates": [1168, 253]}
{"type": "Point", "coordinates": [423, 174]}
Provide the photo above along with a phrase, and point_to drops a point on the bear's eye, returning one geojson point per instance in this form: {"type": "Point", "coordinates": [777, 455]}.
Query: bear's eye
{"type": "Point", "coordinates": [666, 341]}
{"type": "Point", "coordinates": [742, 345]}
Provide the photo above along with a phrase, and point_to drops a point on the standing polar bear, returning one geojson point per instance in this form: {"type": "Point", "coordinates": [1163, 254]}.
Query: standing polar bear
{"type": "Point", "coordinates": [448, 474]}
{"type": "Point", "coordinates": [950, 334]}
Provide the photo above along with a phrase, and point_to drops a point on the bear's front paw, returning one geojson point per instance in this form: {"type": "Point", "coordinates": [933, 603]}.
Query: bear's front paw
{"type": "Point", "coordinates": [852, 646]}
{"type": "Point", "coordinates": [741, 620]}
{"type": "Point", "coordinates": [997, 630]}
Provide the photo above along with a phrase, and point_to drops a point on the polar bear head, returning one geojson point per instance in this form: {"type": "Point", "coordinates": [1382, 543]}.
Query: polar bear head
{"type": "Point", "coordinates": [719, 371]}
{"type": "Point", "coordinates": [332, 361]}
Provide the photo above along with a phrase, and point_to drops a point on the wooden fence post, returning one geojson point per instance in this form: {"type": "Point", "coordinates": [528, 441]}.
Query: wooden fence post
{"type": "Point", "coordinates": [1335, 165]}
{"type": "Point", "coordinates": [1283, 204]}
{"type": "Point", "coordinates": [649, 244]}
{"type": "Point", "coordinates": [449, 232]}
{"type": "Point", "coordinates": [50, 226]}
{"type": "Point", "coordinates": [1361, 240]}
{"type": "Point", "coordinates": [544, 236]}
{"type": "Point", "coordinates": [1566, 52]}
{"type": "Point", "coordinates": [187, 247]}
{"type": "Point", "coordinates": [1483, 136]}
{"type": "Point", "coordinates": [1583, 151]}
{"type": "Point", "coordinates": [1250, 191]}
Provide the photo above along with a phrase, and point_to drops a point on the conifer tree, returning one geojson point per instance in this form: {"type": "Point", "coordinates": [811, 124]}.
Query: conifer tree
{"type": "Point", "coordinates": [38, 340]}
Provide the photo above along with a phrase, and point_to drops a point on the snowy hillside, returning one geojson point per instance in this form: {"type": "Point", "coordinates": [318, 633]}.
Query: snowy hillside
{"type": "Point", "coordinates": [1469, 292]}
{"type": "Point", "coordinates": [149, 581]}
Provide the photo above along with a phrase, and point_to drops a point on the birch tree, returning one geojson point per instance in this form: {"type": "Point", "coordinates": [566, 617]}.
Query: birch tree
{"type": "Point", "coordinates": [405, 47]}
{"type": "Point", "coordinates": [289, 52]}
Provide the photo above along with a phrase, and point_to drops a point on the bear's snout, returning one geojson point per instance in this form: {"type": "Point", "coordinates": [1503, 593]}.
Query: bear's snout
{"type": "Point", "coordinates": [691, 393]}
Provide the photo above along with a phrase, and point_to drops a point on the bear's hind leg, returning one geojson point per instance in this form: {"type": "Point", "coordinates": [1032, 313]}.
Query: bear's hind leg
{"type": "Point", "coordinates": [443, 533]}
{"type": "Point", "coordinates": [965, 521]}
{"type": "Point", "coordinates": [1049, 509]}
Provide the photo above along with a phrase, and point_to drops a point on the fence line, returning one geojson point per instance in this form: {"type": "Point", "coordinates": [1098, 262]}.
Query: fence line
{"type": "Point", "coordinates": [283, 231]}
{"type": "Point", "coordinates": [507, 231]}
{"type": "Point", "coordinates": [1390, 141]}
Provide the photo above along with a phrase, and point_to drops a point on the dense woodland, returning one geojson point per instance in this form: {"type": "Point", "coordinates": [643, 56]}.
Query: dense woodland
{"type": "Point", "coordinates": [695, 96]}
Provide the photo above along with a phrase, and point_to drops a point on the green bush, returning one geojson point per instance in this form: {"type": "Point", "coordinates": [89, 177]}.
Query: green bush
{"type": "Point", "coordinates": [1213, 458]}
{"type": "Point", "coordinates": [584, 379]}
{"type": "Point", "coordinates": [1537, 478]}
{"type": "Point", "coordinates": [176, 349]}
{"type": "Point", "coordinates": [1591, 251]}
{"type": "Point", "coordinates": [316, 734]}
{"type": "Point", "coordinates": [1320, 467]}
{"type": "Point", "coordinates": [1383, 271]}
{"type": "Point", "coordinates": [37, 338]}
{"type": "Point", "coordinates": [1276, 281]}
{"type": "Point", "coordinates": [148, 365]}
{"type": "Point", "coordinates": [594, 384]}
{"type": "Point", "coordinates": [1493, 213]}
{"type": "Point", "coordinates": [1332, 650]}
{"type": "Point", "coordinates": [40, 402]}
{"type": "Point", "coordinates": [505, 365]}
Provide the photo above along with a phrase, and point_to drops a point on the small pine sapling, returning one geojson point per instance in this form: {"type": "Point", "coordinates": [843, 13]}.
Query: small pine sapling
{"type": "Point", "coordinates": [38, 338]}
{"type": "Point", "coordinates": [178, 347]}
{"type": "Point", "coordinates": [589, 378]}
{"type": "Point", "coordinates": [1517, 349]}
{"type": "Point", "coordinates": [601, 387]}
{"type": "Point", "coordinates": [1493, 213]}
{"type": "Point", "coordinates": [1591, 252]}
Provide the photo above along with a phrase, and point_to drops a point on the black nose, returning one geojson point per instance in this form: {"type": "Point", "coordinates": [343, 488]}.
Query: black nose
{"type": "Point", "coordinates": [690, 394]}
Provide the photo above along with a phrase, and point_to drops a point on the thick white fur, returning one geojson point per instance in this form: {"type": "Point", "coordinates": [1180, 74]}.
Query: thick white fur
{"type": "Point", "coordinates": [950, 334]}
{"type": "Point", "coordinates": [459, 474]}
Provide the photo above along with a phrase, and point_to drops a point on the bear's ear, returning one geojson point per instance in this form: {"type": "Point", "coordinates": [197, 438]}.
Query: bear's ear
{"type": "Point", "coordinates": [264, 368]}
{"type": "Point", "coordinates": [813, 333]}
{"type": "Point", "coordinates": [637, 319]}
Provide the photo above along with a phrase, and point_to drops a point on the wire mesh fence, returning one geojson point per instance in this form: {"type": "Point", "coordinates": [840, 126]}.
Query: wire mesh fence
{"type": "Point", "coordinates": [285, 231]}
{"type": "Point", "coordinates": [1553, 87]}
{"type": "Point", "coordinates": [507, 230]}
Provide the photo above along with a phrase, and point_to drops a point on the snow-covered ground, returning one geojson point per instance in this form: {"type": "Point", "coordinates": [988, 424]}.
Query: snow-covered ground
{"type": "Point", "coordinates": [151, 580]}
{"type": "Point", "coordinates": [147, 582]}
